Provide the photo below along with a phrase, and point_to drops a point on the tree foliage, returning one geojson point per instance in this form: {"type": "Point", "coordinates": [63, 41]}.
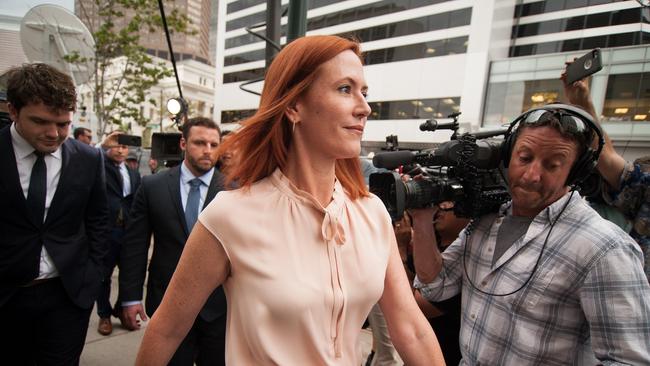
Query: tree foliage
{"type": "Point", "coordinates": [124, 72]}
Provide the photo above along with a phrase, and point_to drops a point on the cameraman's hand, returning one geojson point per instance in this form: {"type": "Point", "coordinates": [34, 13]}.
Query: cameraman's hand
{"type": "Point", "coordinates": [402, 230]}
{"type": "Point", "coordinates": [110, 140]}
{"type": "Point", "coordinates": [426, 256]}
{"type": "Point", "coordinates": [422, 218]}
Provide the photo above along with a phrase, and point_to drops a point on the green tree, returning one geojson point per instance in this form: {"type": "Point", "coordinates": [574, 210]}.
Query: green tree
{"type": "Point", "coordinates": [124, 72]}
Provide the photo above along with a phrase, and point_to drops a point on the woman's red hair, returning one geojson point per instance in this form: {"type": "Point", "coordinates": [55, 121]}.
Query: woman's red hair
{"type": "Point", "coordinates": [263, 141]}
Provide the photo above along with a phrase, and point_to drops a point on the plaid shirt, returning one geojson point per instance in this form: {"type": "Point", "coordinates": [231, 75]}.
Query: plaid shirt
{"type": "Point", "coordinates": [588, 298]}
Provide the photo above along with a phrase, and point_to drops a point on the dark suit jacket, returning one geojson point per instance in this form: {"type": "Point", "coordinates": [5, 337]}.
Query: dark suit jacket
{"type": "Point", "coordinates": [74, 232]}
{"type": "Point", "coordinates": [118, 205]}
{"type": "Point", "coordinates": [157, 209]}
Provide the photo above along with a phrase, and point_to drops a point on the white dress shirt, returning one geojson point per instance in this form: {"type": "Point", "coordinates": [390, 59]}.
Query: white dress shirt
{"type": "Point", "coordinates": [25, 159]}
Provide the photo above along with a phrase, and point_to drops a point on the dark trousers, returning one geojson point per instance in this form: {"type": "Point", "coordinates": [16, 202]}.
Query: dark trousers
{"type": "Point", "coordinates": [42, 326]}
{"type": "Point", "coordinates": [104, 309]}
{"type": "Point", "coordinates": [205, 344]}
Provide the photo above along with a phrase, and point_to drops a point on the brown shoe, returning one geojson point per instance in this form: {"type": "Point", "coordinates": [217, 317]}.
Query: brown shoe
{"type": "Point", "coordinates": [105, 326]}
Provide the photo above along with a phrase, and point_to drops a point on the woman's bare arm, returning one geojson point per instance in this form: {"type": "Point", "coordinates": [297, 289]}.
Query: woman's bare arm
{"type": "Point", "coordinates": [202, 268]}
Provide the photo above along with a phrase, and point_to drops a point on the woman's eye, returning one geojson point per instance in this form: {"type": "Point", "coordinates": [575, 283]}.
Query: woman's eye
{"type": "Point", "coordinates": [365, 94]}
{"type": "Point", "coordinates": [345, 89]}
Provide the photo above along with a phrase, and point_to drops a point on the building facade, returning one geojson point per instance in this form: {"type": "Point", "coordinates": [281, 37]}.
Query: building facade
{"type": "Point", "coordinates": [197, 82]}
{"type": "Point", "coordinates": [194, 46]}
{"type": "Point", "coordinates": [489, 59]}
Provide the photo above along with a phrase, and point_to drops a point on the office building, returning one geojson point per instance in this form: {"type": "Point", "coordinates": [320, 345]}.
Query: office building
{"type": "Point", "coordinates": [489, 59]}
{"type": "Point", "coordinates": [186, 46]}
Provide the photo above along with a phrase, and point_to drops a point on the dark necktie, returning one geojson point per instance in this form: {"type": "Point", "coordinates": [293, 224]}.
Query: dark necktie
{"type": "Point", "coordinates": [38, 188]}
{"type": "Point", "coordinates": [192, 205]}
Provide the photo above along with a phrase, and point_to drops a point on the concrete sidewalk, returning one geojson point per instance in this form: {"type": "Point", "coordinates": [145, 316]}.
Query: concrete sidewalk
{"type": "Point", "coordinates": [121, 347]}
{"type": "Point", "coordinates": [117, 349]}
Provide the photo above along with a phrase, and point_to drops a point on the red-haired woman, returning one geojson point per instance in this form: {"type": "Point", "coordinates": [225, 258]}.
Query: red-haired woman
{"type": "Point", "coordinates": [302, 249]}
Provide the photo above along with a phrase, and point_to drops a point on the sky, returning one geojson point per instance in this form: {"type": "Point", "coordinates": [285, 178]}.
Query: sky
{"type": "Point", "coordinates": [20, 7]}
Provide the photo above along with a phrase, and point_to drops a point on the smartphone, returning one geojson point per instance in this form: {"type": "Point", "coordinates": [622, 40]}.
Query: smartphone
{"type": "Point", "coordinates": [584, 66]}
{"type": "Point", "coordinates": [129, 140]}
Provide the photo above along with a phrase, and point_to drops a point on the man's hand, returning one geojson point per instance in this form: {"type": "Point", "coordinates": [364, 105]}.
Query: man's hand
{"type": "Point", "coordinates": [110, 140]}
{"type": "Point", "coordinates": [578, 92]}
{"type": "Point", "coordinates": [130, 316]}
{"type": "Point", "coordinates": [422, 217]}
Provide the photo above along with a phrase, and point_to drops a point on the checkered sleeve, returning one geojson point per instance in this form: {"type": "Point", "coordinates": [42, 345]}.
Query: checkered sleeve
{"type": "Point", "coordinates": [615, 298]}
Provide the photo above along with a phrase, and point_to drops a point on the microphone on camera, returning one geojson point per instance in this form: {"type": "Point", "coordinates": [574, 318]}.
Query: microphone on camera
{"type": "Point", "coordinates": [392, 160]}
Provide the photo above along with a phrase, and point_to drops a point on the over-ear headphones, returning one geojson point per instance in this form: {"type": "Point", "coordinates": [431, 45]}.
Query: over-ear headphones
{"type": "Point", "coordinates": [585, 162]}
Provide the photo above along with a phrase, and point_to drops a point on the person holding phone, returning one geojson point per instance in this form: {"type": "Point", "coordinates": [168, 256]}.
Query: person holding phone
{"type": "Point", "coordinates": [122, 182]}
{"type": "Point", "coordinates": [628, 183]}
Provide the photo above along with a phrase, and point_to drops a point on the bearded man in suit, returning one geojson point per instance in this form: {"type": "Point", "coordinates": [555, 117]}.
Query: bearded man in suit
{"type": "Point", "coordinates": [167, 205]}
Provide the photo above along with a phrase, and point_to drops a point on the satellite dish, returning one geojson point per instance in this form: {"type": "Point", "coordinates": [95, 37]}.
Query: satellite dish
{"type": "Point", "coordinates": [49, 32]}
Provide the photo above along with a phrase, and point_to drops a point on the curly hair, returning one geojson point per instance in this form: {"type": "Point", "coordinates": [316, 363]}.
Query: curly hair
{"type": "Point", "coordinates": [40, 83]}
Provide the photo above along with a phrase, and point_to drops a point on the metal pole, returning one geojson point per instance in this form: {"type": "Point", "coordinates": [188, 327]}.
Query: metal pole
{"type": "Point", "coordinates": [297, 19]}
{"type": "Point", "coordinates": [273, 16]}
{"type": "Point", "coordinates": [169, 44]}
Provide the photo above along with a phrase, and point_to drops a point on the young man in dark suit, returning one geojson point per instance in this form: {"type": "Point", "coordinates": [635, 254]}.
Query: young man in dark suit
{"type": "Point", "coordinates": [167, 205]}
{"type": "Point", "coordinates": [53, 222]}
{"type": "Point", "coordinates": [121, 184]}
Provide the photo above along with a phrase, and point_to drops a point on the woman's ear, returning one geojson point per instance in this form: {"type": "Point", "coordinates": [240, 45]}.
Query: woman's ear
{"type": "Point", "coordinates": [292, 113]}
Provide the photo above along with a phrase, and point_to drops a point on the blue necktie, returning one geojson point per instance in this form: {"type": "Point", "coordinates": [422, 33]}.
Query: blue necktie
{"type": "Point", "coordinates": [192, 205]}
{"type": "Point", "coordinates": [37, 188]}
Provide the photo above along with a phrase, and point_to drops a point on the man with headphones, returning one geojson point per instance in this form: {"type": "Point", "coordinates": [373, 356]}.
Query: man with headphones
{"type": "Point", "coordinates": [545, 280]}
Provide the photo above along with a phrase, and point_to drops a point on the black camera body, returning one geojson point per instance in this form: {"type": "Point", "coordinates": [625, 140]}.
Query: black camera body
{"type": "Point", "coordinates": [166, 146]}
{"type": "Point", "coordinates": [463, 170]}
{"type": "Point", "coordinates": [129, 140]}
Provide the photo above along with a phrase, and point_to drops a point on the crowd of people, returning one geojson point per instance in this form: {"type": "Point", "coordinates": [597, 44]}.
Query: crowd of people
{"type": "Point", "coordinates": [268, 247]}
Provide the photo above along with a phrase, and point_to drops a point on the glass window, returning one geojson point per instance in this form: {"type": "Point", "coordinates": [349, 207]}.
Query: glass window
{"type": "Point", "coordinates": [551, 26]}
{"type": "Point", "coordinates": [574, 23]}
{"type": "Point", "coordinates": [572, 4]}
{"type": "Point", "coordinates": [245, 75]}
{"type": "Point", "coordinates": [553, 5]}
{"type": "Point", "coordinates": [236, 115]}
{"type": "Point", "coordinates": [506, 100]}
{"type": "Point", "coordinates": [570, 45]}
{"type": "Point", "coordinates": [627, 97]}
{"type": "Point", "coordinates": [524, 50]}
{"type": "Point", "coordinates": [242, 4]}
{"type": "Point", "coordinates": [414, 109]}
{"type": "Point", "coordinates": [626, 16]}
{"type": "Point", "coordinates": [529, 9]}
{"type": "Point", "coordinates": [418, 50]}
{"type": "Point", "coordinates": [548, 47]}
{"type": "Point", "coordinates": [618, 40]}
{"type": "Point", "coordinates": [593, 42]}
{"type": "Point", "coordinates": [460, 17]}
{"type": "Point", "coordinates": [598, 20]}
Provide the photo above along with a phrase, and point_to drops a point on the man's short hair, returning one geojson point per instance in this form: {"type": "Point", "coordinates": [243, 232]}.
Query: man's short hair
{"type": "Point", "coordinates": [582, 139]}
{"type": "Point", "coordinates": [80, 131]}
{"type": "Point", "coordinates": [40, 83]}
{"type": "Point", "coordinates": [199, 121]}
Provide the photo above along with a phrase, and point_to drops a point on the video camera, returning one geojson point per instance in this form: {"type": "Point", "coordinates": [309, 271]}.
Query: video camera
{"type": "Point", "coordinates": [463, 170]}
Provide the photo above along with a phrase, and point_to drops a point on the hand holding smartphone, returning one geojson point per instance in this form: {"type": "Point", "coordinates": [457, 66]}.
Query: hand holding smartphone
{"type": "Point", "coordinates": [586, 65]}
